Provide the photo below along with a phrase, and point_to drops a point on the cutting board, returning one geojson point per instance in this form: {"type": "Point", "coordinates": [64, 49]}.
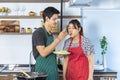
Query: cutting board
{"type": "Point", "coordinates": [9, 26]}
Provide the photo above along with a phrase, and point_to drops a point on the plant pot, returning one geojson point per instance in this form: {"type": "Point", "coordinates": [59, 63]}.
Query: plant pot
{"type": "Point", "coordinates": [4, 13]}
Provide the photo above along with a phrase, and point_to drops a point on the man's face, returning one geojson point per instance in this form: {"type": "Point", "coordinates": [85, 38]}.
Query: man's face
{"type": "Point", "coordinates": [52, 21]}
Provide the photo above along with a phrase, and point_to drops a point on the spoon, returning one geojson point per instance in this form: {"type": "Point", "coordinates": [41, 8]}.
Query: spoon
{"type": "Point", "coordinates": [22, 71]}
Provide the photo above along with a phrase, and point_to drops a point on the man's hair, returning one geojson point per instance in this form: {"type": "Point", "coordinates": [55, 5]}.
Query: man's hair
{"type": "Point", "coordinates": [49, 12]}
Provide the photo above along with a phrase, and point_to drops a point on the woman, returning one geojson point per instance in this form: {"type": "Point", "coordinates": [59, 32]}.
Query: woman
{"type": "Point", "coordinates": [78, 65]}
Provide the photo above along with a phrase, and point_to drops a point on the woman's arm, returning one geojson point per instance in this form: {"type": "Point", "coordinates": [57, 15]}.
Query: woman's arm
{"type": "Point", "coordinates": [65, 64]}
{"type": "Point", "coordinates": [91, 65]}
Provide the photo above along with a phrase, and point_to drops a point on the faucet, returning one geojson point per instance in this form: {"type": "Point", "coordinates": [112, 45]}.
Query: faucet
{"type": "Point", "coordinates": [30, 61]}
{"type": "Point", "coordinates": [4, 67]}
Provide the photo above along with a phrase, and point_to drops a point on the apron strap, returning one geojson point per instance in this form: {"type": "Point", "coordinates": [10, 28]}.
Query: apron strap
{"type": "Point", "coordinates": [70, 43]}
{"type": "Point", "coordinates": [46, 35]}
{"type": "Point", "coordinates": [72, 40]}
{"type": "Point", "coordinates": [80, 41]}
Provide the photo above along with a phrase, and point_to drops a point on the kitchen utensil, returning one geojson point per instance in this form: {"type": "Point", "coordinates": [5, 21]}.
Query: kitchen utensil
{"type": "Point", "coordinates": [34, 76]}
{"type": "Point", "coordinates": [22, 71]}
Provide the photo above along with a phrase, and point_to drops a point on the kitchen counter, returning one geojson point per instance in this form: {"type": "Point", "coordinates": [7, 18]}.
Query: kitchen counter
{"type": "Point", "coordinates": [106, 74]}
{"type": "Point", "coordinates": [16, 68]}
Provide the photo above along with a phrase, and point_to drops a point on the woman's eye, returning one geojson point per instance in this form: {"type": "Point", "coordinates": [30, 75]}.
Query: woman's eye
{"type": "Point", "coordinates": [71, 28]}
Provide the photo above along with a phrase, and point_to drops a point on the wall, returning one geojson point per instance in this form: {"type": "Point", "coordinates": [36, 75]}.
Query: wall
{"type": "Point", "coordinates": [15, 49]}
{"type": "Point", "coordinates": [98, 23]}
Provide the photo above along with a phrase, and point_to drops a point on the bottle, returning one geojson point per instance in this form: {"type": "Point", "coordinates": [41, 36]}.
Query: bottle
{"type": "Point", "coordinates": [59, 64]}
{"type": "Point", "coordinates": [34, 29]}
{"type": "Point", "coordinates": [28, 30]}
{"type": "Point", "coordinates": [22, 30]}
{"type": "Point", "coordinates": [42, 23]}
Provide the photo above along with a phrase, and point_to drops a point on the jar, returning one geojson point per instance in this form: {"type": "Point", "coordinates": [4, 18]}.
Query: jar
{"type": "Point", "coordinates": [28, 30]}
{"type": "Point", "coordinates": [34, 29]}
{"type": "Point", "coordinates": [42, 23]}
{"type": "Point", "coordinates": [22, 30]}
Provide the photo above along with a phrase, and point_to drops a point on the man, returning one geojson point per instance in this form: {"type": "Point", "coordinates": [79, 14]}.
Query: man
{"type": "Point", "coordinates": [43, 44]}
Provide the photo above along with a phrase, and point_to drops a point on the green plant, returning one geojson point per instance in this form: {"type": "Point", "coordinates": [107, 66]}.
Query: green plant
{"type": "Point", "coordinates": [103, 43]}
{"type": "Point", "coordinates": [5, 9]}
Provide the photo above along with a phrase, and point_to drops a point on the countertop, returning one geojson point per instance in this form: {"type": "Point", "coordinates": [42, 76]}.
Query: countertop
{"type": "Point", "coordinates": [13, 70]}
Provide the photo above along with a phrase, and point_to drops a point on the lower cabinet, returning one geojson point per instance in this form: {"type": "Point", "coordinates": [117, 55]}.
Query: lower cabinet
{"type": "Point", "coordinates": [106, 74]}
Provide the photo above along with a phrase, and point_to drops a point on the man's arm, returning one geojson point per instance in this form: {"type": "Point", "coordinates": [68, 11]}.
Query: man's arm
{"type": "Point", "coordinates": [44, 51]}
{"type": "Point", "coordinates": [65, 65]}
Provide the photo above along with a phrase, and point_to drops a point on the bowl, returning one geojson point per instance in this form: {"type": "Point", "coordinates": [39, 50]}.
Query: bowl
{"type": "Point", "coordinates": [31, 13]}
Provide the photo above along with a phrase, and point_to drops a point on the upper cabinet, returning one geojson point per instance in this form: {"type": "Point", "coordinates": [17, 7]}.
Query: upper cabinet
{"type": "Point", "coordinates": [34, 1]}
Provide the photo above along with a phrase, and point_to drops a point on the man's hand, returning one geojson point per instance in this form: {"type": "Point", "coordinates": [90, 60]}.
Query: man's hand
{"type": "Point", "coordinates": [62, 34]}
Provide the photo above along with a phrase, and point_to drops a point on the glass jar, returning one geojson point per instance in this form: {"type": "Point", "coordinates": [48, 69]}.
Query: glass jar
{"type": "Point", "coordinates": [34, 29]}
{"type": "Point", "coordinates": [28, 30]}
{"type": "Point", "coordinates": [22, 30]}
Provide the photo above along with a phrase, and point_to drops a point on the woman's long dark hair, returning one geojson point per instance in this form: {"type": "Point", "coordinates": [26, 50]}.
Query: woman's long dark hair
{"type": "Point", "coordinates": [76, 25]}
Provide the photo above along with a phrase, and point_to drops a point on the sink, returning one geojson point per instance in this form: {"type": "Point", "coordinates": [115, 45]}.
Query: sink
{"type": "Point", "coordinates": [16, 69]}
{"type": "Point", "coordinates": [98, 67]}
{"type": "Point", "coordinates": [26, 69]}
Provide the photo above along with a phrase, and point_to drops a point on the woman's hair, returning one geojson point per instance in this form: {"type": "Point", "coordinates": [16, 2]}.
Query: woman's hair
{"type": "Point", "coordinates": [49, 12]}
{"type": "Point", "coordinates": [76, 25]}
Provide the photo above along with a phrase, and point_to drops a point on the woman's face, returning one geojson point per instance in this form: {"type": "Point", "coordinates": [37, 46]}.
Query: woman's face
{"type": "Point", "coordinates": [72, 31]}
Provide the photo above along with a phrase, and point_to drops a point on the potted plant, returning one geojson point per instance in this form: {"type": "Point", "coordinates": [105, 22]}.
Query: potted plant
{"type": "Point", "coordinates": [103, 44]}
{"type": "Point", "coordinates": [5, 11]}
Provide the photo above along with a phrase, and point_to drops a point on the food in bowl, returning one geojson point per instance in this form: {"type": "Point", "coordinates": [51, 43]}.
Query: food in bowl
{"type": "Point", "coordinates": [61, 52]}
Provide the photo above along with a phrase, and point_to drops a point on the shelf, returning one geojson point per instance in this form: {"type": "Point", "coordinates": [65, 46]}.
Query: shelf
{"type": "Point", "coordinates": [20, 17]}
{"type": "Point", "coordinates": [33, 1]}
{"type": "Point", "coordinates": [72, 17]}
{"type": "Point", "coordinates": [17, 33]}
{"type": "Point", "coordinates": [30, 17]}
{"type": "Point", "coordinates": [14, 33]}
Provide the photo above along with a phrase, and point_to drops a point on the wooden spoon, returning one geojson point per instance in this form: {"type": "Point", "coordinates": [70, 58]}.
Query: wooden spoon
{"type": "Point", "coordinates": [22, 71]}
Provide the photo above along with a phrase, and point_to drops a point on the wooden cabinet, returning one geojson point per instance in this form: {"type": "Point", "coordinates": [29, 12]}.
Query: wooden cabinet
{"type": "Point", "coordinates": [106, 74]}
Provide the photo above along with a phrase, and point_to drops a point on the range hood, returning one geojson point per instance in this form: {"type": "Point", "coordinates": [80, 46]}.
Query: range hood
{"type": "Point", "coordinates": [102, 4]}
{"type": "Point", "coordinates": [80, 2]}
